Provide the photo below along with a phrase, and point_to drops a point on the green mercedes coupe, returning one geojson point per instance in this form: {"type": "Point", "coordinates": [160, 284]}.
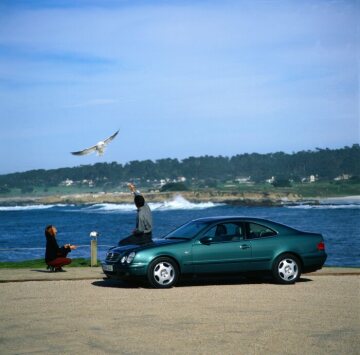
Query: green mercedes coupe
{"type": "Point", "coordinates": [219, 245]}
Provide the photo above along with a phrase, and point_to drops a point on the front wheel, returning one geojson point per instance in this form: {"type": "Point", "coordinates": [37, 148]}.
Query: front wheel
{"type": "Point", "coordinates": [286, 269]}
{"type": "Point", "coordinates": [163, 273]}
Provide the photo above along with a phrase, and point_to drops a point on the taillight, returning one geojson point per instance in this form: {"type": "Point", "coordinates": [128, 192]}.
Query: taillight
{"type": "Point", "coordinates": [321, 246]}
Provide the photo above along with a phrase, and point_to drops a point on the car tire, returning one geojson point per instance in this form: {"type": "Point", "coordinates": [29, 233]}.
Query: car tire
{"type": "Point", "coordinates": [163, 273]}
{"type": "Point", "coordinates": [286, 269]}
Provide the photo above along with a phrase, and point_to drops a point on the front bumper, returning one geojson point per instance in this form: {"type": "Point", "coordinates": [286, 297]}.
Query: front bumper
{"type": "Point", "coordinates": [120, 271]}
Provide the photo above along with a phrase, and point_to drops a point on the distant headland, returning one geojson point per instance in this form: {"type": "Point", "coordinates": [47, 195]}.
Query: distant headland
{"type": "Point", "coordinates": [246, 179]}
{"type": "Point", "coordinates": [232, 198]}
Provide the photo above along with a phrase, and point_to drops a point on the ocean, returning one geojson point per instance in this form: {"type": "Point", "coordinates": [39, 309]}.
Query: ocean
{"type": "Point", "coordinates": [22, 227]}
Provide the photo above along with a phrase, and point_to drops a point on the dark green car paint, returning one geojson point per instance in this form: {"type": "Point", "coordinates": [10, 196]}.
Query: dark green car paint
{"type": "Point", "coordinates": [203, 255]}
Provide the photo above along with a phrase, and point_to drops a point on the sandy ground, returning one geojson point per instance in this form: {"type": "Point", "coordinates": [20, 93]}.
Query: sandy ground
{"type": "Point", "coordinates": [318, 315]}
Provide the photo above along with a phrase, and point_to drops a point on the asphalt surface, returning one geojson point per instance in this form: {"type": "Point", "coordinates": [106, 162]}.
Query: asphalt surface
{"type": "Point", "coordinates": [77, 312]}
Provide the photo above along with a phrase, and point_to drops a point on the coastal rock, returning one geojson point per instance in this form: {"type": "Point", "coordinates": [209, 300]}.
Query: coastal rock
{"type": "Point", "coordinates": [234, 198]}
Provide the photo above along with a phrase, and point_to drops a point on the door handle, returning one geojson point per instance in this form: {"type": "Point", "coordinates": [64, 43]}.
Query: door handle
{"type": "Point", "coordinates": [244, 246]}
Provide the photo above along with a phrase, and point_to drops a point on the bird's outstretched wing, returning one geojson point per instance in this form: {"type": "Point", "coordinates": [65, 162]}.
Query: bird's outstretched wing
{"type": "Point", "coordinates": [85, 151]}
{"type": "Point", "coordinates": [107, 140]}
{"type": "Point", "coordinates": [99, 147]}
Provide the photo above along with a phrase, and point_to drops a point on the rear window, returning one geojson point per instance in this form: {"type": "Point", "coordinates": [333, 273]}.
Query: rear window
{"type": "Point", "coordinates": [258, 231]}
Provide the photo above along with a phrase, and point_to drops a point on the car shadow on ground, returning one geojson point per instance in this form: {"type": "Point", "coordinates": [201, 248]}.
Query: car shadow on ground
{"type": "Point", "coordinates": [196, 281]}
{"type": "Point", "coordinates": [230, 280]}
{"type": "Point", "coordinates": [118, 284]}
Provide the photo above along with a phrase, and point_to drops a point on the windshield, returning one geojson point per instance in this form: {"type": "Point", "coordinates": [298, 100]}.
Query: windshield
{"type": "Point", "coordinates": [187, 231]}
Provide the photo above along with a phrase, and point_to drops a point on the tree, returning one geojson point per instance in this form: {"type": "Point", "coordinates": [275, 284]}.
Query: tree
{"type": "Point", "coordinates": [281, 183]}
{"type": "Point", "coordinates": [174, 186]}
{"type": "Point", "coordinates": [325, 163]}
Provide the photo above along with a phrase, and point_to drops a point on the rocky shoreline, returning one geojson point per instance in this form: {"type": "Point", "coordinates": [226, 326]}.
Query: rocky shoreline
{"type": "Point", "coordinates": [232, 198]}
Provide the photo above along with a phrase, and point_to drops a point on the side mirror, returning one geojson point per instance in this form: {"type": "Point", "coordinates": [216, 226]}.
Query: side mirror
{"type": "Point", "coordinates": [206, 240]}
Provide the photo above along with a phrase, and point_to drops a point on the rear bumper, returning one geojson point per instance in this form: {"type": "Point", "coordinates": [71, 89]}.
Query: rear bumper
{"type": "Point", "coordinates": [313, 262]}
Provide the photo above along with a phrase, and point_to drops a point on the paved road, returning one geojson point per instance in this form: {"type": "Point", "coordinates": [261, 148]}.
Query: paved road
{"type": "Point", "coordinates": [319, 315]}
{"type": "Point", "coordinates": [95, 273]}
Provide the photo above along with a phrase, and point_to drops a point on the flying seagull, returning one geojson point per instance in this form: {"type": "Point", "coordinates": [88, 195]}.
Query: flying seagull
{"type": "Point", "coordinates": [99, 147]}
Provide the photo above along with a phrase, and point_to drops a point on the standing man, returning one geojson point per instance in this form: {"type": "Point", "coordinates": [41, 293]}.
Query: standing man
{"type": "Point", "coordinates": [143, 229]}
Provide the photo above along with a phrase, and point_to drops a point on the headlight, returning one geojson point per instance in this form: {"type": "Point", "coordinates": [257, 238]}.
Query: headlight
{"type": "Point", "coordinates": [130, 257]}
{"type": "Point", "coordinates": [123, 259]}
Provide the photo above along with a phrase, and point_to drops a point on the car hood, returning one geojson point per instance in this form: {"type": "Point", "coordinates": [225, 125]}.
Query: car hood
{"type": "Point", "coordinates": [154, 243]}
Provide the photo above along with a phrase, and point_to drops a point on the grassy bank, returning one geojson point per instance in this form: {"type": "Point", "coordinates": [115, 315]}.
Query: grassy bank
{"type": "Point", "coordinates": [40, 263]}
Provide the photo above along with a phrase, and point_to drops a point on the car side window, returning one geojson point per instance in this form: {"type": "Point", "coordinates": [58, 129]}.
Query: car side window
{"type": "Point", "coordinates": [258, 231]}
{"type": "Point", "coordinates": [226, 232]}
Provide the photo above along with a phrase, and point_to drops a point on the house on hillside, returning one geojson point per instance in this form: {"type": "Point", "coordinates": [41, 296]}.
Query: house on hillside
{"type": "Point", "coordinates": [343, 177]}
{"type": "Point", "coordinates": [311, 179]}
{"type": "Point", "coordinates": [271, 180]}
{"type": "Point", "coordinates": [243, 180]}
{"type": "Point", "coordinates": [67, 182]}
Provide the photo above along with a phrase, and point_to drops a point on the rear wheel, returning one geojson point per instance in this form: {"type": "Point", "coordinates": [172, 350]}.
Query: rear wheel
{"type": "Point", "coordinates": [163, 273]}
{"type": "Point", "coordinates": [286, 269]}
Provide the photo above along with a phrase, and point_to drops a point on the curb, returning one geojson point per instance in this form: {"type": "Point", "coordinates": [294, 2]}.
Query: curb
{"type": "Point", "coordinates": [62, 279]}
{"type": "Point", "coordinates": [26, 275]}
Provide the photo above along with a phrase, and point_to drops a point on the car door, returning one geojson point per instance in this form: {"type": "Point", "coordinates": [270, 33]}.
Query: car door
{"type": "Point", "coordinates": [264, 242]}
{"type": "Point", "coordinates": [222, 252]}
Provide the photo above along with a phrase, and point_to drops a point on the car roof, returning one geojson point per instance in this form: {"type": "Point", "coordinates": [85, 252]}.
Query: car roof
{"type": "Point", "coordinates": [231, 218]}
{"type": "Point", "coordinates": [266, 222]}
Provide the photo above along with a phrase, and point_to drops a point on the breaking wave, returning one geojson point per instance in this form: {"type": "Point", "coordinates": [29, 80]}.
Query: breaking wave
{"type": "Point", "coordinates": [326, 207]}
{"type": "Point", "coordinates": [28, 208]}
{"type": "Point", "coordinates": [109, 207]}
{"type": "Point", "coordinates": [178, 203]}
{"type": "Point", "coordinates": [346, 202]}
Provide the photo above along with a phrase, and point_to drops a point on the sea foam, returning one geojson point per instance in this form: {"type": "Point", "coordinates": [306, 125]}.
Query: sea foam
{"type": "Point", "coordinates": [180, 203]}
{"type": "Point", "coordinates": [325, 207]}
{"type": "Point", "coordinates": [177, 203]}
{"type": "Point", "coordinates": [27, 208]}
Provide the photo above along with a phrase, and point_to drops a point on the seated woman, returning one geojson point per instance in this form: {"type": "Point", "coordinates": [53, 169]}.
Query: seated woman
{"type": "Point", "coordinates": [55, 257]}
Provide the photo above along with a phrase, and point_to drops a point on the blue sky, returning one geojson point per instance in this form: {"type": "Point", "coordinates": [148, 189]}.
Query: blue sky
{"type": "Point", "coordinates": [178, 78]}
